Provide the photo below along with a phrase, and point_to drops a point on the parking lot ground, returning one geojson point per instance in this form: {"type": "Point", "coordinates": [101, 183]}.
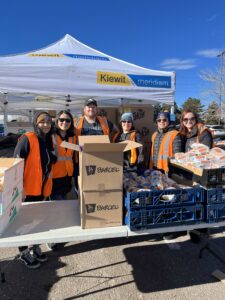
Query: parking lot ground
{"type": "Point", "coordinates": [145, 267]}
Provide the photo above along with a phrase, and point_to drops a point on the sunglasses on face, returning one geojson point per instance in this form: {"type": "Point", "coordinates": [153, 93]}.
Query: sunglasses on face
{"type": "Point", "coordinates": [186, 119]}
{"type": "Point", "coordinates": [128, 122]}
{"type": "Point", "coordinates": [64, 120]}
{"type": "Point", "coordinates": [162, 120]}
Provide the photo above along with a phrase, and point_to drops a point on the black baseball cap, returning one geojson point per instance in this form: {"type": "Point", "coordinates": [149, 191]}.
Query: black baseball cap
{"type": "Point", "coordinates": [91, 101]}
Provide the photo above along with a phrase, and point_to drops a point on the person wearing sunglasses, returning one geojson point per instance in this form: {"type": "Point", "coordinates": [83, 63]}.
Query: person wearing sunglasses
{"type": "Point", "coordinates": [166, 141]}
{"type": "Point", "coordinates": [63, 169]}
{"type": "Point", "coordinates": [37, 150]}
{"type": "Point", "coordinates": [192, 131]}
{"type": "Point", "coordinates": [132, 159]}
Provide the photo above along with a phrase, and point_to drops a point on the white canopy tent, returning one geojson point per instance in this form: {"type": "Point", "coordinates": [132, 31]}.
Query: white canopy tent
{"type": "Point", "coordinates": [68, 72]}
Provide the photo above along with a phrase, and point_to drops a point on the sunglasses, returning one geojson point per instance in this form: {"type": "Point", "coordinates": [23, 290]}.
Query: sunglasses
{"type": "Point", "coordinates": [162, 120]}
{"type": "Point", "coordinates": [129, 122]}
{"type": "Point", "coordinates": [64, 120]}
{"type": "Point", "coordinates": [185, 120]}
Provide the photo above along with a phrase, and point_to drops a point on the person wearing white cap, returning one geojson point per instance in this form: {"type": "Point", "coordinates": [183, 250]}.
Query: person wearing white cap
{"type": "Point", "coordinates": [132, 159]}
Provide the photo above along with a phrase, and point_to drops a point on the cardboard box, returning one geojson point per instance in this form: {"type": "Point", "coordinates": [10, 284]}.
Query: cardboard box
{"type": "Point", "coordinates": [100, 162]}
{"type": "Point", "coordinates": [101, 209]}
{"type": "Point", "coordinates": [11, 181]}
{"type": "Point", "coordinates": [10, 214]}
{"type": "Point", "coordinates": [101, 180]}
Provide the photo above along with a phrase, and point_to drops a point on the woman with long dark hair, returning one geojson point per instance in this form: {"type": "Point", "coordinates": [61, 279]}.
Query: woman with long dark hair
{"type": "Point", "coordinates": [63, 169]}
{"type": "Point", "coordinates": [193, 131]}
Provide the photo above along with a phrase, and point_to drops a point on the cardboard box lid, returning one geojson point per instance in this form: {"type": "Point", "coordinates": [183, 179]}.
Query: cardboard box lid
{"type": "Point", "coordinates": [102, 147]}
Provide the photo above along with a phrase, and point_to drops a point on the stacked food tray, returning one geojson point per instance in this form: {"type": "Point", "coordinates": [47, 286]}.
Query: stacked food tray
{"type": "Point", "coordinates": [157, 208]}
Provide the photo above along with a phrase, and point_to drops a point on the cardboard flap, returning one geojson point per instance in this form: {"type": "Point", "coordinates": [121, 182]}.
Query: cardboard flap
{"type": "Point", "coordinates": [87, 139]}
{"type": "Point", "coordinates": [70, 146]}
{"type": "Point", "coordinates": [96, 147]}
{"type": "Point", "coordinates": [130, 145]}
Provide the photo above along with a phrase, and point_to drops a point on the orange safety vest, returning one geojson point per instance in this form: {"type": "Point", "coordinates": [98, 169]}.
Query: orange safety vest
{"type": "Point", "coordinates": [103, 123]}
{"type": "Point", "coordinates": [133, 157]}
{"type": "Point", "coordinates": [33, 176]}
{"type": "Point", "coordinates": [64, 165]}
{"type": "Point", "coordinates": [165, 150]}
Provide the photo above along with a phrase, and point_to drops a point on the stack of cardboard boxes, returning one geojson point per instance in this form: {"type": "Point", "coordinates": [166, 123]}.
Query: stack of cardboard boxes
{"type": "Point", "coordinates": [100, 180]}
{"type": "Point", "coordinates": [11, 190]}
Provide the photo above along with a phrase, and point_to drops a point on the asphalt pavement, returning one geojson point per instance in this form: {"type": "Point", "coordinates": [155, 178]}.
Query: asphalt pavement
{"type": "Point", "coordinates": [145, 267]}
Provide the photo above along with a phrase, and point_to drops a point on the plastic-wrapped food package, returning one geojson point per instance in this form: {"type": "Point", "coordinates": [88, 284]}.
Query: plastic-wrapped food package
{"type": "Point", "coordinates": [218, 153]}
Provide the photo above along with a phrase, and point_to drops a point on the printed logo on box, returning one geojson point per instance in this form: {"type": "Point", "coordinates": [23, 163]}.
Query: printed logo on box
{"type": "Point", "coordinates": [90, 208]}
{"type": "Point", "coordinates": [90, 170]}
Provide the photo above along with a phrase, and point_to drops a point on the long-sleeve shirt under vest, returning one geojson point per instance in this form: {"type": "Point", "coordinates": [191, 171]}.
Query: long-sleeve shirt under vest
{"type": "Point", "coordinates": [177, 144]}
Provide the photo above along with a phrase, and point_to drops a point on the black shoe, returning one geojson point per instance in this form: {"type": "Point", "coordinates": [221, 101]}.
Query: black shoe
{"type": "Point", "coordinates": [29, 261]}
{"type": "Point", "coordinates": [195, 238]}
{"type": "Point", "coordinates": [37, 253]}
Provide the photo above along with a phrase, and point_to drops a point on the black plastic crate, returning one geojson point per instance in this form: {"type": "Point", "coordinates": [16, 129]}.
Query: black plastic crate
{"type": "Point", "coordinates": [163, 217]}
{"type": "Point", "coordinates": [216, 195]}
{"type": "Point", "coordinates": [210, 177]}
{"type": "Point", "coordinates": [162, 198]}
{"type": "Point", "coordinates": [215, 213]}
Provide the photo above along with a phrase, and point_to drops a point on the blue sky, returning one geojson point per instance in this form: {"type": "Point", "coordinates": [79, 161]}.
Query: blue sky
{"type": "Point", "coordinates": [175, 35]}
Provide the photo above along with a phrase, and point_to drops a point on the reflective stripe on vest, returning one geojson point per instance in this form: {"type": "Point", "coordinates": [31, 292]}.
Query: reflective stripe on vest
{"type": "Point", "coordinates": [165, 150]}
{"type": "Point", "coordinates": [64, 165]}
{"type": "Point", "coordinates": [102, 121]}
{"type": "Point", "coordinates": [33, 176]}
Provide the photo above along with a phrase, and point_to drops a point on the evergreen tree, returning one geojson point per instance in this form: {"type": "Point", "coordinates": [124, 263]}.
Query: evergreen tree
{"type": "Point", "coordinates": [193, 104]}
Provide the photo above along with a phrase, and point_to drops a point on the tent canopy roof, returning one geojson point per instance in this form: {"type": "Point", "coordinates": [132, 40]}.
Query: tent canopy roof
{"type": "Point", "coordinates": [69, 67]}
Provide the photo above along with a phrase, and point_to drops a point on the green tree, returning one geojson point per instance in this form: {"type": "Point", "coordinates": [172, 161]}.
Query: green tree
{"type": "Point", "coordinates": [212, 114]}
{"type": "Point", "coordinates": [193, 104]}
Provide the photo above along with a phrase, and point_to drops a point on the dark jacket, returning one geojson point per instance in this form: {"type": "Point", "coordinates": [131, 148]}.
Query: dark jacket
{"type": "Point", "coordinates": [22, 150]}
{"type": "Point", "coordinates": [205, 137]}
{"type": "Point", "coordinates": [177, 144]}
{"type": "Point", "coordinates": [128, 167]}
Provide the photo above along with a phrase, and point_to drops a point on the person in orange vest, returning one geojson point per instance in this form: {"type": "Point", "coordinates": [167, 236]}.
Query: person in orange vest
{"type": "Point", "coordinates": [63, 169]}
{"type": "Point", "coordinates": [92, 124]}
{"type": "Point", "coordinates": [132, 159]}
{"type": "Point", "coordinates": [166, 141]}
{"type": "Point", "coordinates": [36, 148]}
{"type": "Point", "coordinates": [193, 131]}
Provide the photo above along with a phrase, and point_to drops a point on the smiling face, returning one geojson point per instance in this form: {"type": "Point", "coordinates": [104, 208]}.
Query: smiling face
{"type": "Point", "coordinates": [90, 111]}
{"type": "Point", "coordinates": [162, 123]}
{"type": "Point", "coordinates": [126, 126]}
{"type": "Point", "coordinates": [45, 125]}
{"type": "Point", "coordinates": [189, 121]}
{"type": "Point", "coordinates": [64, 122]}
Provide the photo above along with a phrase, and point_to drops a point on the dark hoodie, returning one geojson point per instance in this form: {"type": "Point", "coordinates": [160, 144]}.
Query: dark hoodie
{"type": "Point", "coordinates": [128, 167]}
{"type": "Point", "coordinates": [22, 149]}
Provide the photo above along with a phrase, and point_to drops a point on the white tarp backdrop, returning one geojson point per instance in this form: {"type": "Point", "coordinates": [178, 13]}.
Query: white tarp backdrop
{"type": "Point", "coordinates": [44, 79]}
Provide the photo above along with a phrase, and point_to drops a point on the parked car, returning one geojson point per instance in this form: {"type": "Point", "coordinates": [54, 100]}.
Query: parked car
{"type": "Point", "coordinates": [218, 131]}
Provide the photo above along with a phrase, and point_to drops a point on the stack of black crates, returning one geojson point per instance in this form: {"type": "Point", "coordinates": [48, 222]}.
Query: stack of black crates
{"type": "Point", "coordinates": [215, 195]}
{"type": "Point", "coordinates": [163, 208]}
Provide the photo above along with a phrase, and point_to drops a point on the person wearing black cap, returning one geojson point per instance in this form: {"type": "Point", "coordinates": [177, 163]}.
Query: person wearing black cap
{"type": "Point", "coordinates": [132, 161]}
{"type": "Point", "coordinates": [92, 124]}
{"type": "Point", "coordinates": [166, 141]}
{"type": "Point", "coordinates": [36, 148]}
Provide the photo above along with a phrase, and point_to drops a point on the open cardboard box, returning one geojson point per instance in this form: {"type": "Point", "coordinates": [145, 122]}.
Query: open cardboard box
{"type": "Point", "coordinates": [101, 179]}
